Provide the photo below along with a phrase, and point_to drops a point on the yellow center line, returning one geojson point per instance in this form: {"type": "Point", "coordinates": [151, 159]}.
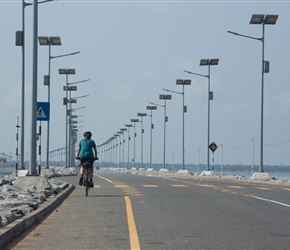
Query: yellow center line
{"type": "Point", "coordinates": [134, 240]}
{"type": "Point", "coordinates": [235, 187]}
{"type": "Point", "coordinates": [149, 185]}
{"type": "Point", "coordinates": [121, 186]}
{"type": "Point", "coordinates": [263, 188]}
{"type": "Point", "coordinates": [226, 190]}
{"type": "Point", "coordinates": [178, 185]}
{"type": "Point", "coordinates": [132, 192]}
{"type": "Point", "coordinates": [206, 185]}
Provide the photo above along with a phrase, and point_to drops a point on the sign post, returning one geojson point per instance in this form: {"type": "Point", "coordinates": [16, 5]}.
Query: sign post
{"type": "Point", "coordinates": [213, 148]}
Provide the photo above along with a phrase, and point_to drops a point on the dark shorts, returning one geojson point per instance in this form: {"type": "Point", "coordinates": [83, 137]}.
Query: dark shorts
{"type": "Point", "coordinates": [90, 160]}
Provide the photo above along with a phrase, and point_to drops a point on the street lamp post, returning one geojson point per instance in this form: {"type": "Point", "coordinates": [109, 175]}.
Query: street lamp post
{"type": "Point", "coordinates": [116, 137]}
{"type": "Point", "coordinates": [112, 150]}
{"type": "Point", "coordinates": [129, 126]}
{"type": "Point", "coordinates": [122, 130]}
{"type": "Point", "coordinates": [48, 41]}
{"type": "Point", "coordinates": [120, 144]}
{"type": "Point", "coordinates": [66, 72]}
{"type": "Point", "coordinates": [270, 20]}
{"type": "Point", "coordinates": [184, 110]}
{"type": "Point", "coordinates": [32, 167]}
{"type": "Point", "coordinates": [207, 62]}
{"type": "Point", "coordinates": [71, 140]}
{"type": "Point", "coordinates": [70, 101]}
{"type": "Point", "coordinates": [72, 132]}
{"type": "Point", "coordinates": [164, 97]}
{"type": "Point", "coordinates": [110, 162]}
{"type": "Point", "coordinates": [142, 132]}
{"type": "Point", "coordinates": [20, 41]}
{"type": "Point", "coordinates": [134, 121]}
{"type": "Point", "coordinates": [151, 108]}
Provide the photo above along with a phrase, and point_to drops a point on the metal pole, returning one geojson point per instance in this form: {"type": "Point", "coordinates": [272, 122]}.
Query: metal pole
{"type": "Point", "coordinates": [128, 147]}
{"type": "Point", "coordinates": [69, 131]}
{"type": "Point", "coordinates": [48, 100]}
{"type": "Point", "coordinates": [117, 164]}
{"type": "Point", "coordinates": [198, 161]}
{"type": "Point", "coordinates": [262, 102]}
{"type": "Point", "coordinates": [141, 141]}
{"type": "Point", "coordinates": [151, 142]}
{"type": "Point", "coordinates": [222, 159]}
{"type": "Point", "coordinates": [22, 88]}
{"type": "Point", "coordinates": [66, 153]}
{"type": "Point", "coordinates": [32, 168]}
{"type": "Point", "coordinates": [134, 142]}
{"type": "Point", "coordinates": [164, 133]}
{"type": "Point", "coordinates": [183, 107]}
{"type": "Point", "coordinates": [252, 155]}
{"type": "Point", "coordinates": [112, 152]}
{"type": "Point", "coordinates": [39, 149]}
{"type": "Point", "coordinates": [123, 149]}
{"type": "Point", "coordinates": [120, 143]}
{"type": "Point", "coordinates": [208, 118]}
{"type": "Point", "coordinates": [17, 128]}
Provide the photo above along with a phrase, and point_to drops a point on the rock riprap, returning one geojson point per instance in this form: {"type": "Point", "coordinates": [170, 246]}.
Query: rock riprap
{"type": "Point", "coordinates": [21, 195]}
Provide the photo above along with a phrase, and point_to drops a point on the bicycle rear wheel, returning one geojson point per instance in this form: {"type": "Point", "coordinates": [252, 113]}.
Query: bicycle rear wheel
{"type": "Point", "coordinates": [87, 182]}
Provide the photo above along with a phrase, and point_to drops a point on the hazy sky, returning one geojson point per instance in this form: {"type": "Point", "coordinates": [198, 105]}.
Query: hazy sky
{"type": "Point", "coordinates": [131, 50]}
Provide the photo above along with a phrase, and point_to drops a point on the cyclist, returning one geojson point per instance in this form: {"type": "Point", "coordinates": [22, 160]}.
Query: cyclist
{"type": "Point", "coordinates": [87, 152]}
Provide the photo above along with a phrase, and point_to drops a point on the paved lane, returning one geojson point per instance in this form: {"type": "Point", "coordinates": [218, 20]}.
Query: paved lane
{"type": "Point", "coordinates": [167, 214]}
{"type": "Point", "coordinates": [209, 214]}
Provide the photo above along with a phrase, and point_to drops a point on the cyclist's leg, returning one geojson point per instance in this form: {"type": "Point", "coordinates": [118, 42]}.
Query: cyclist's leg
{"type": "Point", "coordinates": [81, 181]}
{"type": "Point", "coordinates": [91, 174]}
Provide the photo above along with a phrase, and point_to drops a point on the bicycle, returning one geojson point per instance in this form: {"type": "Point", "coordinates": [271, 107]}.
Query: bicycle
{"type": "Point", "coordinates": [87, 165]}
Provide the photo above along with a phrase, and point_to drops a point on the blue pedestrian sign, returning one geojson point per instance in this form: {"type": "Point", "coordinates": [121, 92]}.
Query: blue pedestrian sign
{"type": "Point", "coordinates": [42, 111]}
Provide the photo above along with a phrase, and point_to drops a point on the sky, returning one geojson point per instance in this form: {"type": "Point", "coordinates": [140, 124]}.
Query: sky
{"type": "Point", "coordinates": [131, 51]}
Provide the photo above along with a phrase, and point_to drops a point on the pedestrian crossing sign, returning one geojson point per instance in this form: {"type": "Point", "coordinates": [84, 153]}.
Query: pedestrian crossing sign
{"type": "Point", "coordinates": [42, 111]}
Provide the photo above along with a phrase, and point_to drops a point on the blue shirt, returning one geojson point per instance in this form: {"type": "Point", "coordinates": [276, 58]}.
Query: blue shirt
{"type": "Point", "coordinates": [87, 146]}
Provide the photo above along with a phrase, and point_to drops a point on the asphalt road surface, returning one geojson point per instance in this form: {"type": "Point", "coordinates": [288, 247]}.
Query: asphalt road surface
{"type": "Point", "coordinates": [131, 211]}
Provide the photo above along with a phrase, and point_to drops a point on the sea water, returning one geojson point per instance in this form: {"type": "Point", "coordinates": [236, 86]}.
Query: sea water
{"type": "Point", "coordinates": [278, 172]}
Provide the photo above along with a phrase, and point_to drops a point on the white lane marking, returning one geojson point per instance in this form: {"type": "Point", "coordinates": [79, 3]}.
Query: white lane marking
{"type": "Point", "coordinates": [276, 202]}
{"type": "Point", "coordinates": [105, 179]}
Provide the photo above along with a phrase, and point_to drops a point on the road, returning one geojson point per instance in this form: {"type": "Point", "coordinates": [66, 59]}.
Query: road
{"type": "Point", "coordinates": [131, 211]}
